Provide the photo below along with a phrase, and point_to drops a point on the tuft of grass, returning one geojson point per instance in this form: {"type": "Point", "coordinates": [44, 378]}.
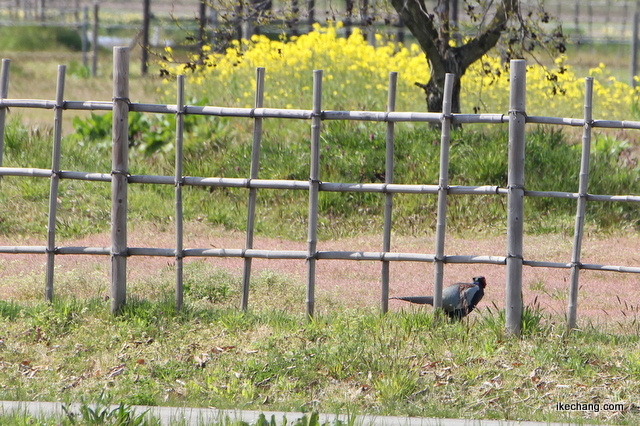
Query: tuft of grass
{"type": "Point", "coordinates": [101, 413]}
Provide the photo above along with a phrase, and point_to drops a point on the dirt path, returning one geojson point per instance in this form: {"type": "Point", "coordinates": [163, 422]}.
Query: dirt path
{"type": "Point", "coordinates": [356, 284]}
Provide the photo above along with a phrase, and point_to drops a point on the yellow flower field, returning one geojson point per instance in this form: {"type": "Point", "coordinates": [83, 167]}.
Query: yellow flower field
{"type": "Point", "coordinates": [356, 77]}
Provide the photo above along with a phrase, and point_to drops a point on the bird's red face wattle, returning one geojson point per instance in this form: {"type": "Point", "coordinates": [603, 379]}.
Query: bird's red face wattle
{"type": "Point", "coordinates": [481, 282]}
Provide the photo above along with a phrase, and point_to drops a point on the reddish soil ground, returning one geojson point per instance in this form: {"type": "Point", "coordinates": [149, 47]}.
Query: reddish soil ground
{"type": "Point", "coordinates": [356, 284]}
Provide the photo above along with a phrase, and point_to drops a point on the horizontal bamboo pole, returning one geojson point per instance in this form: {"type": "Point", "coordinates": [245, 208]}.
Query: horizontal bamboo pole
{"type": "Point", "coordinates": [26, 171]}
{"type": "Point", "coordinates": [544, 264]}
{"type": "Point", "coordinates": [88, 105]}
{"type": "Point", "coordinates": [612, 124]}
{"type": "Point", "coordinates": [99, 251]}
{"type": "Point", "coordinates": [479, 118]}
{"type": "Point", "coordinates": [379, 116]}
{"type": "Point", "coordinates": [618, 198]}
{"type": "Point", "coordinates": [382, 116]}
{"type": "Point", "coordinates": [302, 255]}
{"type": "Point", "coordinates": [254, 253]}
{"type": "Point", "coordinates": [88, 176]}
{"type": "Point", "coordinates": [23, 249]}
{"type": "Point", "coordinates": [558, 121]}
{"type": "Point", "coordinates": [27, 103]}
{"type": "Point", "coordinates": [395, 188]}
{"type": "Point", "coordinates": [250, 112]}
{"type": "Point", "coordinates": [594, 267]}
{"type": "Point", "coordinates": [487, 260]}
{"type": "Point", "coordinates": [553, 194]}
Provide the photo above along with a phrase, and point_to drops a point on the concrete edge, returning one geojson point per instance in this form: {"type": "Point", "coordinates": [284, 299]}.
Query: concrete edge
{"type": "Point", "coordinates": [203, 416]}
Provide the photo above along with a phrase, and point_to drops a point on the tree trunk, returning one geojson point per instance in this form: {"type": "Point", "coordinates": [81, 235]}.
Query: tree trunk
{"type": "Point", "coordinates": [435, 96]}
{"type": "Point", "coordinates": [434, 89]}
{"type": "Point", "coordinates": [432, 31]}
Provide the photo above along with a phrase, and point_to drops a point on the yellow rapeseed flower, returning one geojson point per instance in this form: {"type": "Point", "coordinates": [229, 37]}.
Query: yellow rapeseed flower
{"type": "Point", "coordinates": [352, 68]}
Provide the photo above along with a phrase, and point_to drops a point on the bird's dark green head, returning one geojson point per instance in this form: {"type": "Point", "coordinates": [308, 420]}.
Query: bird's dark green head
{"type": "Point", "coordinates": [480, 281]}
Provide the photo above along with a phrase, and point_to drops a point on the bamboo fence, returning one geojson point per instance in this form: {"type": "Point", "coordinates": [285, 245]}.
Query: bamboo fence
{"type": "Point", "coordinates": [120, 178]}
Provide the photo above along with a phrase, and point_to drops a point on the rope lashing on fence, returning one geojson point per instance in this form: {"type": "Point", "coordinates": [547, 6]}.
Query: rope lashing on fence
{"type": "Point", "coordinates": [179, 182]}
{"type": "Point", "coordinates": [121, 173]}
{"type": "Point", "coordinates": [444, 117]}
{"type": "Point", "coordinates": [516, 111]}
{"type": "Point", "coordinates": [125, 99]}
{"type": "Point", "coordinates": [314, 256]}
{"type": "Point", "coordinates": [124, 253]}
{"type": "Point", "coordinates": [256, 112]}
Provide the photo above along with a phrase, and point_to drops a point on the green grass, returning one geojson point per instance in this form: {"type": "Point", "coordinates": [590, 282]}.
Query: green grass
{"type": "Point", "coordinates": [101, 413]}
{"type": "Point", "coordinates": [405, 363]}
{"type": "Point", "coordinates": [37, 38]}
{"type": "Point", "coordinates": [350, 153]}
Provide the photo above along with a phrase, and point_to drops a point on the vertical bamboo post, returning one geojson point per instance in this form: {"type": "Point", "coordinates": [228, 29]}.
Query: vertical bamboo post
{"type": "Point", "coordinates": [515, 210]}
{"type": "Point", "coordinates": [311, 13]}
{"type": "Point", "coordinates": [582, 203]}
{"type": "Point", "coordinates": [443, 190]}
{"type": "Point", "coordinates": [314, 189]}
{"type": "Point", "coordinates": [55, 181]}
{"type": "Point", "coordinates": [634, 50]}
{"type": "Point", "coordinates": [85, 38]}
{"type": "Point", "coordinates": [576, 18]}
{"type": "Point", "coordinates": [253, 192]}
{"type": "Point", "coordinates": [4, 92]}
{"type": "Point", "coordinates": [94, 39]}
{"type": "Point", "coordinates": [202, 25]}
{"type": "Point", "coordinates": [388, 197]}
{"type": "Point", "coordinates": [146, 18]}
{"type": "Point", "coordinates": [590, 23]}
{"type": "Point", "coordinates": [119, 177]}
{"type": "Point", "coordinates": [178, 180]}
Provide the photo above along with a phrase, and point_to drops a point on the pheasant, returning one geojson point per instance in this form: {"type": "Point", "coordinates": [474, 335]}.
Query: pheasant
{"type": "Point", "coordinates": [457, 300]}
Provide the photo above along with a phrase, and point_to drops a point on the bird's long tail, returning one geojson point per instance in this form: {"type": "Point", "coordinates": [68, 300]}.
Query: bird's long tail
{"type": "Point", "coordinates": [421, 300]}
